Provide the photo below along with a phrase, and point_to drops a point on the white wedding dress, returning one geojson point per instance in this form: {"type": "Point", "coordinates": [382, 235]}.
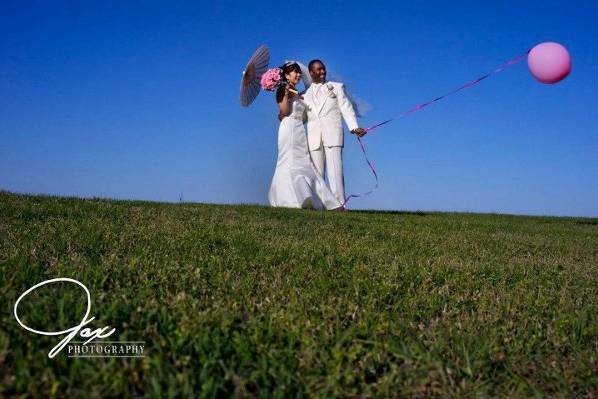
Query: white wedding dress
{"type": "Point", "coordinates": [296, 182]}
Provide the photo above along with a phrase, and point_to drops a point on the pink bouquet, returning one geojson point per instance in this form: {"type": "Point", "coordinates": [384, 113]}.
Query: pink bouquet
{"type": "Point", "coordinates": [271, 79]}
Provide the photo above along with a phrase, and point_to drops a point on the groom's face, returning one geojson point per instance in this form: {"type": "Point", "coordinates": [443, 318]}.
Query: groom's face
{"type": "Point", "coordinates": [318, 72]}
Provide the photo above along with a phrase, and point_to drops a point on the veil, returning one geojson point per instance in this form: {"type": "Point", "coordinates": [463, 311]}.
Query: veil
{"type": "Point", "coordinates": [305, 76]}
{"type": "Point", "coordinates": [360, 106]}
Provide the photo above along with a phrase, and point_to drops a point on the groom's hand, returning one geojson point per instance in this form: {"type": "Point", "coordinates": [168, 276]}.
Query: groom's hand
{"type": "Point", "coordinates": [360, 132]}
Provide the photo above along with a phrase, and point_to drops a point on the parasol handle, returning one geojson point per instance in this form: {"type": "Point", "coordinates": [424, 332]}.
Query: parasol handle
{"type": "Point", "coordinates": [289, 89]}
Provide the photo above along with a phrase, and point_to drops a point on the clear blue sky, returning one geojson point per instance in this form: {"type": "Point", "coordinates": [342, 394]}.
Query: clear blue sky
{"type": "Point", "coordinates": [140, 100]}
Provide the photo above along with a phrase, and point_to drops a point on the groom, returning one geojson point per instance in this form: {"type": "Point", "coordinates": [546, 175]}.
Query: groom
{"type": "Point", "coordinates": [327, 105]}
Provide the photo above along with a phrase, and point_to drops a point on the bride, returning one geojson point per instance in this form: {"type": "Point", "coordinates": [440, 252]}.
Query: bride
{"type": "Point", "coordinates": [296, 183]}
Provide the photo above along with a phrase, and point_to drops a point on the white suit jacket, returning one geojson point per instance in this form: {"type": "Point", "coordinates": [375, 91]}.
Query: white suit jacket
{"type": "Point", "coordinates": [324, 125]}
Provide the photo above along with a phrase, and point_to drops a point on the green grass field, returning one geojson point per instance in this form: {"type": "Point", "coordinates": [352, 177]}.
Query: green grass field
{"type": "Point", "coordinates": [250, 301]}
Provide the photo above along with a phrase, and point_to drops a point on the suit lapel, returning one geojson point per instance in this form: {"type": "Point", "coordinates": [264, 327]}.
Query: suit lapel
{"type": "Point", "coordinates": [309, 96]}
{"type": "Point", "coordinates": [321, 103]}
{"type": "Point", "coordinates": [312, 97]}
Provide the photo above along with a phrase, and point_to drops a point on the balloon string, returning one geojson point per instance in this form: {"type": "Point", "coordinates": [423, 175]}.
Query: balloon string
{"type": "Point", "coordinates": [463, 87]}
{"type": "Point", "coordinates": [419, 107]}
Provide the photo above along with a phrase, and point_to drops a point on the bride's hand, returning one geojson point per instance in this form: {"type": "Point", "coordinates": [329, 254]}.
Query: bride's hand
{"type": "Point", "coordinates": [290, 91]}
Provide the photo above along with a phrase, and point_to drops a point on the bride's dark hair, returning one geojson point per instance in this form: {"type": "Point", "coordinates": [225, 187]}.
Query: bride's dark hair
{"type": "Point", "coordinates": [289, 67]}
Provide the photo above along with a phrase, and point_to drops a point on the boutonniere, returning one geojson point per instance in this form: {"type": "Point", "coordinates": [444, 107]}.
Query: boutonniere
{"type": "Point", "coordinates": [330, 90]}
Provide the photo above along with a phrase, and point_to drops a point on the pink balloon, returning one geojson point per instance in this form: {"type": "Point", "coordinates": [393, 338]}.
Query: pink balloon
{"type": "Point", "coordinates": [549, 62]}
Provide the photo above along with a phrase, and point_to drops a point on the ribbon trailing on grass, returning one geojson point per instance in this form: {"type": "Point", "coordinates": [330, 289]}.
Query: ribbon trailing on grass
{"type": "Point", "coordinates": [372, 169]}
{"type": "Point", "coordinates": [420, 107]}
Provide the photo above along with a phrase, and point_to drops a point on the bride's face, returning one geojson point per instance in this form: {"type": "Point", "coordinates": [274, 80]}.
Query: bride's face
{"type": "Point", "coordinates": [293, 77]}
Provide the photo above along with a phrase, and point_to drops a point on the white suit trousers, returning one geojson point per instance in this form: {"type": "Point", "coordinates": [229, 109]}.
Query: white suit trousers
{"type": "Point", "coordinates": [332, 159]}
